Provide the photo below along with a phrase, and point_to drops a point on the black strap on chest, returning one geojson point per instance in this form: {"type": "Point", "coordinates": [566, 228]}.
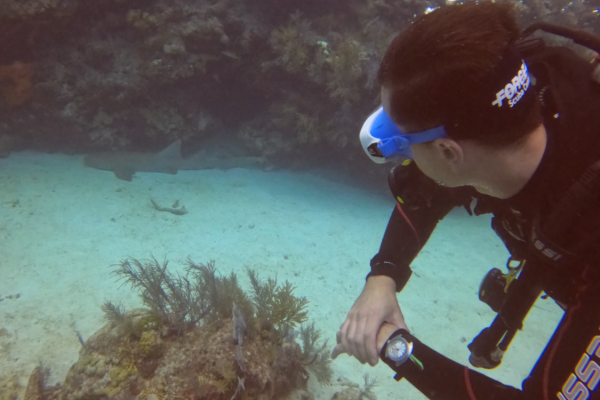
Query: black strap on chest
{"type": "Point", "coordinates": [556, 243]}
{"type": "Point", "coordinates": [578, 203]}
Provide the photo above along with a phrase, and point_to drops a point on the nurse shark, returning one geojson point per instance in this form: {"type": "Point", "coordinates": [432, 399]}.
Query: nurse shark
{"type": "Point", "coordinates": [125, 164]}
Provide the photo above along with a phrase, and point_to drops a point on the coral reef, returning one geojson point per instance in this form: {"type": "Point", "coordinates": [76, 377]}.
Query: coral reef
{"type": "Point", "coordinates": [315, 355]}
{"type": "Point", "coordinates": [16, 83]}
{"type": "Point", "coordinates": [202, 337]}
{"type": "Point", "coordinates": [175, 301]}
{"type": "Point", "coordinates": [353, 390]}
{"type": "Point", "coordinates": [290, 81]}
{"type": "Point", "coordinates": [276, 304]}
{"type": "Point", "coordinates": [32, 8]}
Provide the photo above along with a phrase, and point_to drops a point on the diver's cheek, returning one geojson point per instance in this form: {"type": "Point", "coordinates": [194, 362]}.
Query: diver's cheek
{"type": "Point", "coordinates": [423, 161]}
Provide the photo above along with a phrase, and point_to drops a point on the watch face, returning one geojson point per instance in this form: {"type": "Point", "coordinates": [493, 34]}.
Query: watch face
{"type": "Point", "coordinates": [398, 349]}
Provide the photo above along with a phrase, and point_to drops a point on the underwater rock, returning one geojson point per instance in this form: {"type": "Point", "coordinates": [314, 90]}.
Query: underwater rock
{"type": "Point", "coordinates": [198, 364]}
{"type": "Point", "coordinates": [35, 385]}
{"type": "Point", "coordinates": [300, 394]}
{"type": "Point", "coordinates": [9, 387]}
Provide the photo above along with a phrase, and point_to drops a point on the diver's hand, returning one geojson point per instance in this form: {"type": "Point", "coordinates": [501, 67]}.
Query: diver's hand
{"type": "Point", "coordinates": [385, 331]}
{"type": "Point", "coordinates": [358, 334]}
{"type": "Point", "coordinates": [384, 334]}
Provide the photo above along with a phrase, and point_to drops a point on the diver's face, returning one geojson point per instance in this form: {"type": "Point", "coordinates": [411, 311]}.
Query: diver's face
{"type": "Point", "coordinates": [436, 159]}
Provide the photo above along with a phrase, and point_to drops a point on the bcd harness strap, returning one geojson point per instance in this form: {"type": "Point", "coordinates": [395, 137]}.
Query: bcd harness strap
{"type": "Point", "coordinates": [547, 258]}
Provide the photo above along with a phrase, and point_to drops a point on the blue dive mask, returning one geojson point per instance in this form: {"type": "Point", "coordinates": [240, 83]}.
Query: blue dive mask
{"type": "Point", "coordinates": [383, 141]}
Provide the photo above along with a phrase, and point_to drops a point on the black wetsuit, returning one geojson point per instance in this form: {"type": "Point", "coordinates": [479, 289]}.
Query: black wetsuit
{"type": "Point", "coordinates": [569, 366]}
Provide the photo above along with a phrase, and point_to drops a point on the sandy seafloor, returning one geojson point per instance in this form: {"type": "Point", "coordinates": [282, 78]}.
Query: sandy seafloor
{"type": "Point", "coordinates": [62, 226]}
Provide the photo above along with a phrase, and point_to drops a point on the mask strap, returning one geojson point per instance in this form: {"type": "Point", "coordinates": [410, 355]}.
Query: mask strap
{"type": "Point", "coordinates": [396, 143]}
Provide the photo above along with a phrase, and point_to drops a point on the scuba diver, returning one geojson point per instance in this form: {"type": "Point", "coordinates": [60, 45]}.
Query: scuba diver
{"type": "Point", "coordinates": [474, 111]}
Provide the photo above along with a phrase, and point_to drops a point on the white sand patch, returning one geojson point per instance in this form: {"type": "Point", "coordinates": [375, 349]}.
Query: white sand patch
{"type": "Point", "coordinates": [62, 226]}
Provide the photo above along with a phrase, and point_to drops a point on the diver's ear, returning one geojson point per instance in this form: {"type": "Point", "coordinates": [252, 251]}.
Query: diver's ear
{"type": "Point", "coordinates": [450, 152]}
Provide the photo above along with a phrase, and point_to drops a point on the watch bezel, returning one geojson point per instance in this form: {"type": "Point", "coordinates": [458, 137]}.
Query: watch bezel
{"type": "Point", "coordinates": [408, 345]}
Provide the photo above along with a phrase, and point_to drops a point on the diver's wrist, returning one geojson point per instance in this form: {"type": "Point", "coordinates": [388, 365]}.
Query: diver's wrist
{"type": "Point", "coordinates": [386, 332]}
{"type": "Point", "coordinates": [381, 282]}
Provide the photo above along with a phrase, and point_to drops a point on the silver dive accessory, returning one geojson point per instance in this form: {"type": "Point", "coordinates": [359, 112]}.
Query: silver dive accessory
{"type": "Point", "coordinates": [398, 350]}
{"type": "Point", "coordinates": [383, 141]}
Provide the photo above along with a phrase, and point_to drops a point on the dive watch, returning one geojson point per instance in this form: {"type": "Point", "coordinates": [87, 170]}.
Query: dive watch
{"type": "Point", "coordinates": [398, 349]}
